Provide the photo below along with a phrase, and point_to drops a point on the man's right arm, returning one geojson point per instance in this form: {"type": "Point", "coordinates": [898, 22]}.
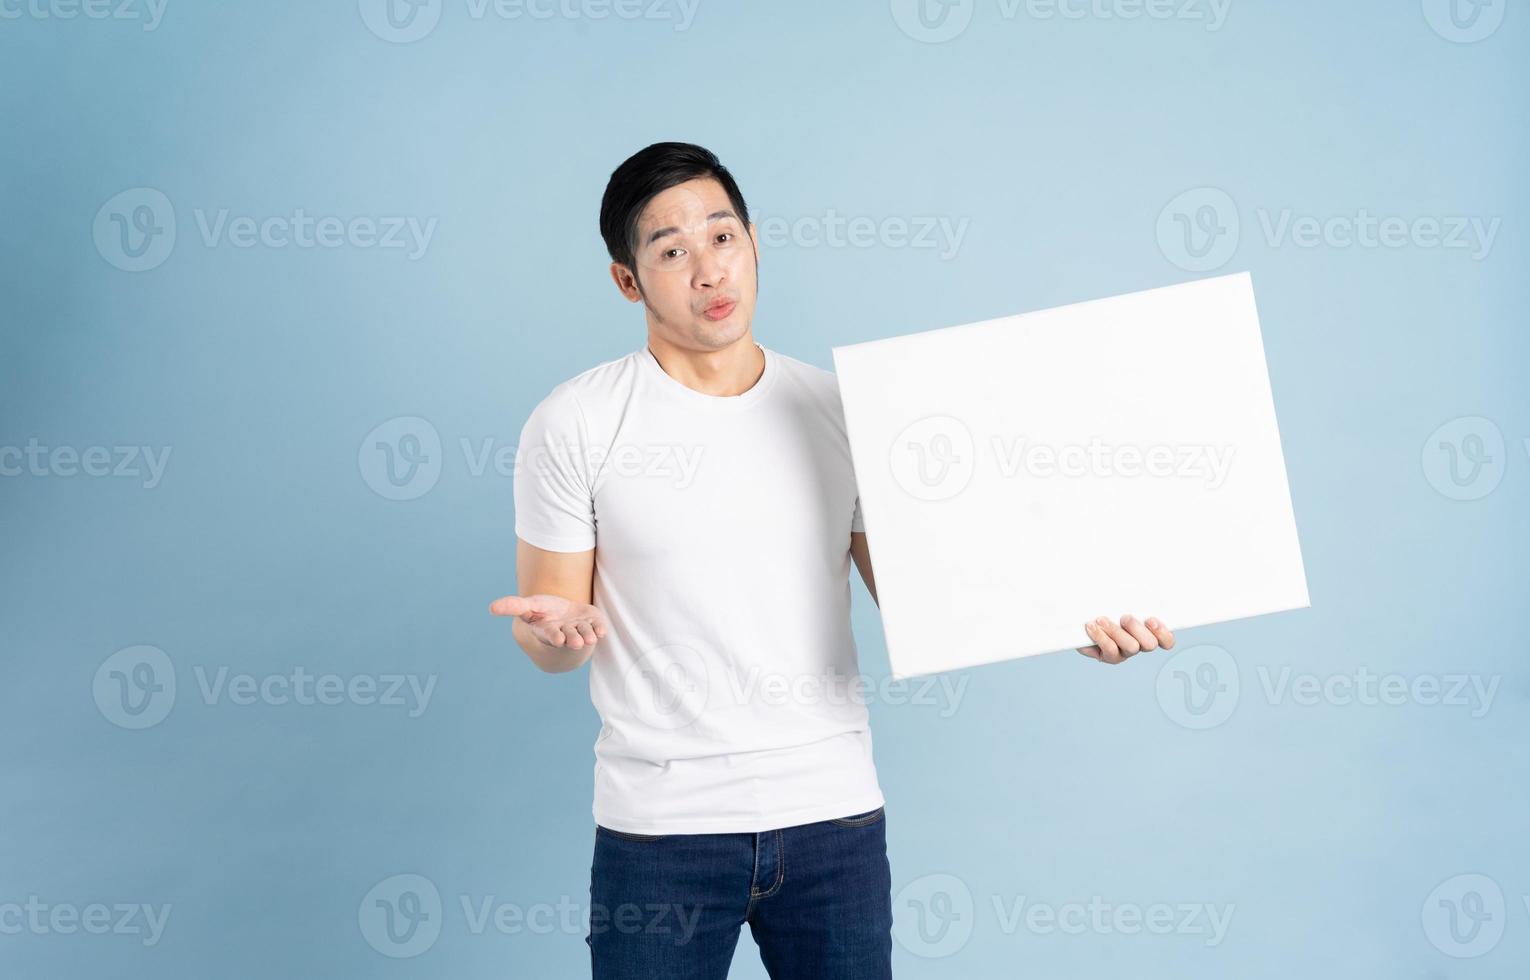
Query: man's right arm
{"type": "Point", "coordinates": [554, 620]}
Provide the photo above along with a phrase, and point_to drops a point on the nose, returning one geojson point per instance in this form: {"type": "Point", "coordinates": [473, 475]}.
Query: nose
{"type": "Point", "coordinates": [710, 272]}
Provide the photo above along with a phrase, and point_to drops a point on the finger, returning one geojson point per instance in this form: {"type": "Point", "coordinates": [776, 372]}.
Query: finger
{"type": "Point", "coordinates": [575, 641]}
{"type": "Point", "coordinates": [587, 632]}
{"type": "Point", "coordinates": [1122, 639]}
{"type": "Point", "coordinates": [1165, 636]}
{"type": "Point", "coordinates": [1092, 652]}
{"type": "Point", "coordinates": [1144, 636]}
{"type": "Point", "coordinates": [1109, 652]}
{"type": "Point", "coordinates": [512, 605]}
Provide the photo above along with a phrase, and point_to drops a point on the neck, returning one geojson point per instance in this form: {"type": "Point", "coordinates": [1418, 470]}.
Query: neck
{"type": "Point", "coordinates": [728, 371]}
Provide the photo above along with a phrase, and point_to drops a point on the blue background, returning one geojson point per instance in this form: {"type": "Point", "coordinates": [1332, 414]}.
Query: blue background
{"type": "Point", "coordinates": [265, 547]}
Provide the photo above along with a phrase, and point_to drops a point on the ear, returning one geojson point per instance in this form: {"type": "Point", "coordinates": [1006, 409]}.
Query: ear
{"type": "Point", "coordinates": [626, 282]}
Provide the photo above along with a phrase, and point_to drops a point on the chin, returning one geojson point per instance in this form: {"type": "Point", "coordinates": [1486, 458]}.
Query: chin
{"type": "Point", "coordinates": [722, 332]}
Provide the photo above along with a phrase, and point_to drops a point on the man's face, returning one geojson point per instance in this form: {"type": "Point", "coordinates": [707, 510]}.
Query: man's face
{"type": "Point", "coordinates": [697, 266]}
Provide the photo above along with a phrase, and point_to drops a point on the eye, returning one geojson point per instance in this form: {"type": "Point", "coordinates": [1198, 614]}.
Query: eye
{"type": "Point", "coordinates": [723, 235]}
{"type": "Point", "coordinates": [671, 252]}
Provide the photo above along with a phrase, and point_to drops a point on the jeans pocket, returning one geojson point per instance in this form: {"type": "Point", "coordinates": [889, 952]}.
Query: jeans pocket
{"type": "Point", "coordinates": [860, 819]}
{"type": "Point", "coordinates": [624, 835]}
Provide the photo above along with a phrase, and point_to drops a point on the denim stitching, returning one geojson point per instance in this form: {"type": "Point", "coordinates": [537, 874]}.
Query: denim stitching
{"type": "Point", "coordinates": [626, 836]}
{"type": "Point", "coordinates": [780, 870]}
{"type": "Point", "coordinates": [865, 821]}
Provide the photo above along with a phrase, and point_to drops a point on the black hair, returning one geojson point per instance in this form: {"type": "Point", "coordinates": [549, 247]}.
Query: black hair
{"type": "Point", "coordinates": [649, 171]}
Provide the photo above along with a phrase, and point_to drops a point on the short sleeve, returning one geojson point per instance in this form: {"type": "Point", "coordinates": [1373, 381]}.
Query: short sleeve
{"type": "Point", "coordinates": [554, 508]}
{"type": "Point", "coordinates": [857, 523]}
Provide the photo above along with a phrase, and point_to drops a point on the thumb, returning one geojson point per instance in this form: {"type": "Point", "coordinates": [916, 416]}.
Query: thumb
{"type": "Point", "coordinates": [514, 605]}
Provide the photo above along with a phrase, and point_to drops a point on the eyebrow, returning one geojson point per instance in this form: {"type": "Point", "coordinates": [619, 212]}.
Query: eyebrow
{"type": "Point", "coordinates": [672, 230]}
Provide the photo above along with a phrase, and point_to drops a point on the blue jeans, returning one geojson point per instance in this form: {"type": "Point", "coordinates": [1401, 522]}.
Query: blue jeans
{"type": "Point", "coordinates": [817, 897]}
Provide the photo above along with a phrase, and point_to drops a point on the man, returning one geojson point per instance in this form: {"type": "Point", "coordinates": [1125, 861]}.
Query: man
{"type": "Point", "coordinates": [686, 518]}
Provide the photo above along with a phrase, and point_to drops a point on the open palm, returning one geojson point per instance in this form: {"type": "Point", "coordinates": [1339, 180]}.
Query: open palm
{"type": "Point", "coordinates": [555, 620]}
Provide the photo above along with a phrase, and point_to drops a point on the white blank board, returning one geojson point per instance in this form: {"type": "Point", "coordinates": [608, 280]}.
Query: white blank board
{"type": "Point", "coordinates": [1022, 475]}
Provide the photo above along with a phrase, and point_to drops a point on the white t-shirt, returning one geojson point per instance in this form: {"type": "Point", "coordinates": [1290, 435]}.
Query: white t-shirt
{"type": "Point", "coordinates": [728, 685]}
